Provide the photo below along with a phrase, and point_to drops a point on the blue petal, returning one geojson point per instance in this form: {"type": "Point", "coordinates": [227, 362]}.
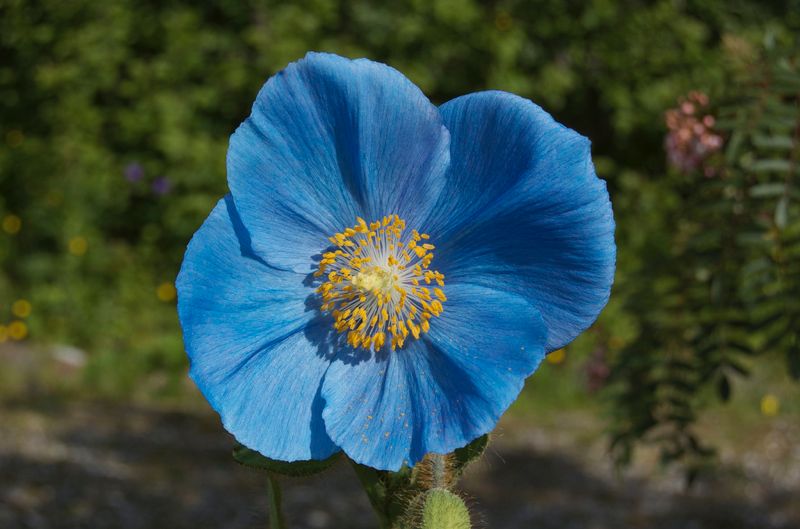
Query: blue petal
{"type": "Point", "coordinates": [330, 139]}
{"type": "Point", "coordinates": [438, 393]}
{"type": "Point", "coordinates": [524, 211]}
{"type": "Point", "coordinates": [244, 327]}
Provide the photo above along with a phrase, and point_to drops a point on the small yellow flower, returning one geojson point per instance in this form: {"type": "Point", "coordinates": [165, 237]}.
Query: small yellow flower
{"type": "Point", "coordinates": [21, 308]}
{"type": "Point", "coordinates": [557, 357]}
{"type": "Point", "coordinates": [770, 405]}
{"type": "Point", "coordinates": [165, 292]}
{"type": "Point", "coordinates": [3, 333]}
{"type": "Point", "coordinates": [78, 245]}
{"type": "Point", "coordinates": [12, 224]}
{"type": "Point", "coordinates": [17, 330]}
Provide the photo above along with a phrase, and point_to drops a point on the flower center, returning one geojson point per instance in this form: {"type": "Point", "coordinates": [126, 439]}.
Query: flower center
{"type": "Point", "coordinates": [379, 285]}
{"type": "Point", "coordinates": [373, 278]}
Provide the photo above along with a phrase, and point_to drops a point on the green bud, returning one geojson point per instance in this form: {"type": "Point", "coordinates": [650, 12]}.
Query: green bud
{"type": "Point", "coordinates": [444, 510]}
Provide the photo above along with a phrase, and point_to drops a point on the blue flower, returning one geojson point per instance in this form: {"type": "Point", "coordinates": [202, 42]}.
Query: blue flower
{"type": "Point", "coordinates": [385, 274]}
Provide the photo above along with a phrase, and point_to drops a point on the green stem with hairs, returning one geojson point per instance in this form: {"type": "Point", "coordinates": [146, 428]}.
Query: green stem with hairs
{"type": "Point", "coordinates": [439, 470]}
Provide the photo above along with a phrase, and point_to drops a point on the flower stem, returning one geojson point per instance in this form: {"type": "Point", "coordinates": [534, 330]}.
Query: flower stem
{"type": "Point", "coordinates": [276, 520]}
{"type": "Point", "coordinates": [439, 470]}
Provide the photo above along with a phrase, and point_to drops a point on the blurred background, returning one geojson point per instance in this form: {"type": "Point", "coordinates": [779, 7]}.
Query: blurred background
{"type": "Point", "coordinates": [678, 409]}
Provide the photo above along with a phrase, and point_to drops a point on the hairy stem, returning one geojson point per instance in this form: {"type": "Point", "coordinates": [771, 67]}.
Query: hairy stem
{"type": "Point", "coordinates": [439, 470]}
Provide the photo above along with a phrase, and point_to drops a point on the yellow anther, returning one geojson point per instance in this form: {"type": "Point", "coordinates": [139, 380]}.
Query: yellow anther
{"type": "Point", "coordinates": [370, 283]}
{"type": "Point", "coordinates": [414, 329]}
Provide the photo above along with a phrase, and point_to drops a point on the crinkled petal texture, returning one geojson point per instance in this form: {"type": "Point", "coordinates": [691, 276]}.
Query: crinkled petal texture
{"type": "Point", "coordinates": [330, 139]}
{"type": "Point", "coordinates": [439, 393]}
{"type": "Point", "coordinates": [523, 231]}
{"type": "Point", "coordinates": [244, 328]}
{"type": "Point", "coordinates": [523, 211]}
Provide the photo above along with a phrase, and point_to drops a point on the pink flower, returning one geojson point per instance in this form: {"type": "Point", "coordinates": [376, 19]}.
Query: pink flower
{"type": "Point", "coordinates": [691, 139]}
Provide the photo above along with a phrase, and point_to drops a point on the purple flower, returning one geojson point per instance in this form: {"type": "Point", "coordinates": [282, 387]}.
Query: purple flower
{"type": "Point", "coordinates": [134, 172]}
{"type": "Point", "coordinates": [161, 185]}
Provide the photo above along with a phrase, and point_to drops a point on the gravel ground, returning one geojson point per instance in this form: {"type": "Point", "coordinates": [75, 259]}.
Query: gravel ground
{"type": "Point", "coordinates": [91, 465]}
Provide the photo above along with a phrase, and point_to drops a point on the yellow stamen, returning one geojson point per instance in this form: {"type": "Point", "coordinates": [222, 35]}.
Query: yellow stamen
{"type": "Point", "coordinates": [373, 283]}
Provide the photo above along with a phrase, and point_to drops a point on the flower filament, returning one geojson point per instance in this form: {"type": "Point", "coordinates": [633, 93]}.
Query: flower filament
{"type": "Point", "coordinates": [379, 288]}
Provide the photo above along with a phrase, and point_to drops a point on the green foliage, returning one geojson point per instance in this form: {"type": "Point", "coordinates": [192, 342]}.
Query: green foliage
{"type": "Point", "coordinates": [88, 88]}
{"type": "Point", "coordinates": [728, 283]}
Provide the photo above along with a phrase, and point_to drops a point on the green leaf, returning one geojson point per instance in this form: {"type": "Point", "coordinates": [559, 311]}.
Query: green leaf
{"type": "Point", "coordinates": [786, 84]}
{"type": "Point", "coordinates": [734, 146]}
{"type": "Point", "coordinates": [724, 388]}
{"type": "Point", "coordinates": [752, 238]}
{"type": "Point", "coordinates": [782, 212]}
{"type": "Point", "coordinates": [773, 142]}
{"type": "Point", "coordinates": [768, 319]}
{"type": "Point", "coordinates": [250, 458]}
{"type": "Point", "coordinates": [463, 457]}
{"type": "Point", "coordinates": [741, 347]}
{"type": "Point", "coordinates": [736, 366]}
{"type": "Point", "coordinates": [772, 189]}
{"type": "Point", "coordinates": [776, 339]}
{"type": "Point", "coordinates": [793, 356]}
{"type": "Point", "coordinates": [680, 365]}
{"type": "Point", "coordinates": [769, 166]}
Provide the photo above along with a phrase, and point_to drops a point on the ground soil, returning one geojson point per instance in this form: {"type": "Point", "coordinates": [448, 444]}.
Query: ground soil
{"type": "Point", "coordinates": [67, 463]}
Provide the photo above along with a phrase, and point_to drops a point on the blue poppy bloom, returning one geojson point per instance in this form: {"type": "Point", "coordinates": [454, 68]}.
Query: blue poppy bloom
{"type": "Point", "coordinates": [385, 274]}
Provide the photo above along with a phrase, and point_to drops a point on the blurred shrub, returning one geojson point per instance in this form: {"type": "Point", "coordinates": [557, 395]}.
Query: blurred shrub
{"type": "Point", "coordinates": [114, 119]}
{"type": "Point", "coordinates": [727, 286]}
